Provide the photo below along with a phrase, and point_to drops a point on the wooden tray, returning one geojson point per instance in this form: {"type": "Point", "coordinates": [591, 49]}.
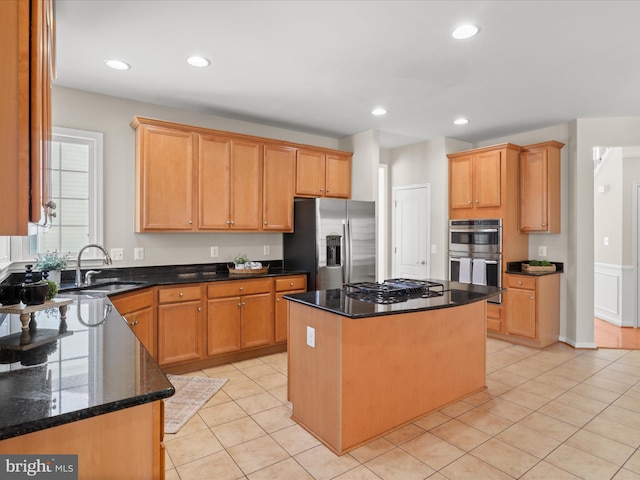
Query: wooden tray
{"type": "Point", "coordinates": [248, 271]}
{"type": "Point", "coordinates": [538, 269]}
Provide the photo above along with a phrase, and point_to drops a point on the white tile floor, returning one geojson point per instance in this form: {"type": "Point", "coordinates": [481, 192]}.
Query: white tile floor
{"type": "Point", "coordinates": [549, 414]}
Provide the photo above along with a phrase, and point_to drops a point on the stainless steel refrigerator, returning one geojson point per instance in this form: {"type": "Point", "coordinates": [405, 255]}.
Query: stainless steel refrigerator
{"type": "Point", "coordinates": [334, 240]}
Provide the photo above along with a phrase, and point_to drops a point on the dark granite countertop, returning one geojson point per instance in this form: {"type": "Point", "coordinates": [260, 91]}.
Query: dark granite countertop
{"type": "Point", "coordinates": [171, 275]}
{"type": "Point", "coordinates": [336, 301]}
{"type": "Point", "coordinates": [516, 267]}
{"type": "Point", "coordinates": [91, 366]}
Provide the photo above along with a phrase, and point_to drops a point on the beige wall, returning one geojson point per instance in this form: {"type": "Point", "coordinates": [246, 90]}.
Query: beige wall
{"type": "Point", "coordinates": [112, 116]}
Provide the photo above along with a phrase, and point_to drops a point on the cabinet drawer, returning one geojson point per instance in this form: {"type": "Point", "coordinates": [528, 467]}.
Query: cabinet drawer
{"type": "Point", "coordinates": [179, 294]}
{"type": "Point", "coordinates": [291, 283]}
{"type": "Point", "coordinates": [521, 281]}
{"type": "Point", "coordinates": [238, 287]}
{"type": "Point", "coordinates": [131, 302]}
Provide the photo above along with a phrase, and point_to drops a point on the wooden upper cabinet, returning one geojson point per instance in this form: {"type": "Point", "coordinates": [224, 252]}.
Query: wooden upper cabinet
{"type": "Point", "coordinates": [475, 180]}
{"type": "Point", "coordinates": [27, 37]}
{"type": "Point", "coordinates": [229, 187]}
{"type": "Point", "coordinates": [165, 179]}
{"type": "Point", "coordinates": [246, 185]}
{"type": "Point", "coordinates": [461, 182]}
{"type": "Point", "coordinates": [321, 174]}
{"type": "Point", "coordinates": [214, 182]}
{"type": "Point", "coordinates": [278, 188]}
{"type": "Point", "coordinates": [540, 188]}
{"type": "Point", "coordinates": [338, 176]}
{"type": "Point", "coordinates": [310, 167]}
{"type": "Point", "coordinates": [488, 175]}
{"type": "Point", "coordinates": [194, 179]}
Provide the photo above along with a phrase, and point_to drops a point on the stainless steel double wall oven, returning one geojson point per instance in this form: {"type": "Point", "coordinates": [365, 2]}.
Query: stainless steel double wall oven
{"type": "Point", "coordinates": [476, 244]}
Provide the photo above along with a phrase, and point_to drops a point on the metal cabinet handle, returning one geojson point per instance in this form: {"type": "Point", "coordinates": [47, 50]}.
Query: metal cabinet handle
{"type": "Point", "coordinates": [199, 309]}
{"type": "Point", "coordinates": [136, 322]}
{"type": "Point", "coordinates": [291, 284]}
{"type": "Point", "coordinates": [519, 282]}
{"type": "Point", "coordinates": [532, 297]}
{"type": "Point", "coordinates": [181, 294]}
{"type": "Point", "coordinates": [477, 201]}
{"type": "Point", "coordinates": [277, 299]}
{"type": "Point", "coordinates": [241, 289]}
{"type": "Point", "coordinates": [469, 202]}
{"type": "Point", "coordinates": [265, 222]}
{"type": "Point", "coordinates": [190, 222]}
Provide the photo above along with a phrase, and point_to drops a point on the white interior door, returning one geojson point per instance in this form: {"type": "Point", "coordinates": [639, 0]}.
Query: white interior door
{"type": "Point", "coordinates": [411, 231]}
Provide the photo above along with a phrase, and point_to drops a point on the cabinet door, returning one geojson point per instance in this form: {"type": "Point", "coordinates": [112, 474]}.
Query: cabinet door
{"type": "Point", "coordinates": [180, 332]}
{"type": "Point", "coordinates": [310, 173]}
{"type": "Point", "coordinates": [280, 318]}
{"type": "Point", "coordinates": [165, 169]}
{"type": "Point", "coordinates": [461, 182]}
{"type": "Point", "coordinates": [246, 185]}
{"type": "Point", "coordinates": [522, 312]}
{"type": "Point", "coordinates": [223, 325]}
{"type": "Point", "coordinates": [338, 176]}
{"type": "Point", "coordinates": [214, 173]}
{"type": "Point", "coordinates": [278, 188]}
{"type": "Point", "coordinates": [533, 190]}
{"type": "Point", "coordinates": [487, 173]}
{"type": "Point", "coordinates": [143, 325]}
{"type": "Point", "coordinates": [42, 72]}
{"type": "Point", "coordinates": [256, 320]}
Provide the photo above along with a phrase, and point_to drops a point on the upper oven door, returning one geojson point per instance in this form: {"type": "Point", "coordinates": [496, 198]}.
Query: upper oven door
{"type": "Point", "coordinates": [475, 238]}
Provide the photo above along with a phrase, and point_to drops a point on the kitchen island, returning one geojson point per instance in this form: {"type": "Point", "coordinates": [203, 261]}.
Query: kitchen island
{"type": "Point", "coordinates": [82, 385]}
{"type": "Point", "coordinates": [358, 369]}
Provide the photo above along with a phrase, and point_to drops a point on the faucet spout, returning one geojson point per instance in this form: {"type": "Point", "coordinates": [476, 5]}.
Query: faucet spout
{"type": "Point", "coordinates": [106, 260]}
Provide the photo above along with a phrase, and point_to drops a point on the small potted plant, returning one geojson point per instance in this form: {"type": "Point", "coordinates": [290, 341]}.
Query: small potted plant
{"type": "Point", "coordinates": [52, 263]}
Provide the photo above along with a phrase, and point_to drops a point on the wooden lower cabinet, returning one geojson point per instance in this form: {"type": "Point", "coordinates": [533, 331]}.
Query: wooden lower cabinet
{"type": "Point", "coordinates": [239, 315]}
{"type": "Point", "coordinates": [181, 326]}
{"type": "Point", "coordinates": [122, 444]}
{"type": "Point", "coordinates": [207, 324]}
{"type": "Point", "coordinates": [533, 306]}
{"type": "Point", "coordinates": [139, 310]}
{"type": "Point", "coordinates": [285, 286]}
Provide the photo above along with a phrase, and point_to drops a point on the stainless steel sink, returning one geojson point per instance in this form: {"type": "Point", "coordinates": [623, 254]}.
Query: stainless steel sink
{"type": "Point", "coordinates": [107, 288]}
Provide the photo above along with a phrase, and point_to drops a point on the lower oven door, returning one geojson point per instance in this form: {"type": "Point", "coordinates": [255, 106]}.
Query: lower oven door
{"type": "Point", "coordinates": [492, 264]}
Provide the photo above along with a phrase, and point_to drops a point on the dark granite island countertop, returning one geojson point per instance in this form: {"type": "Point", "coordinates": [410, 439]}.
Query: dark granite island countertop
{"type": "Point", "coordinates": [92, 366]}
{"type": "Point", "coordinates": [338, 302]}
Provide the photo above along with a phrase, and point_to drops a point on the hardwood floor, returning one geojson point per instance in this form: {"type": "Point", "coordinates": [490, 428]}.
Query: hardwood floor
{"type": "Point", "coordinates": [610, 336]}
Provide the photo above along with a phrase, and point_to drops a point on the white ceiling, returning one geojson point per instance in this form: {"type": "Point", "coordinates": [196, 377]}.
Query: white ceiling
{"type": "Point", "coordinates": [321, 66]}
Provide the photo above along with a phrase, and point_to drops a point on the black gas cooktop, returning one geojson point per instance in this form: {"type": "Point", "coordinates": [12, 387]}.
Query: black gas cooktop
{"type": "Point", "coordinates": [394, 290]}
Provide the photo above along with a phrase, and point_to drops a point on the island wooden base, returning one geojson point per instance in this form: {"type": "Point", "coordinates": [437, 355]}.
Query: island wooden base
{"type": "Point", "coordinates": [365, 377]}
{"type": "Point", "coordinates": [123, 444]}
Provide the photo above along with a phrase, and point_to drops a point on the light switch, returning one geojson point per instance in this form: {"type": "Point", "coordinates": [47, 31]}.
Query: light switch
{"type": "Point", "coordinates": [117, 254]}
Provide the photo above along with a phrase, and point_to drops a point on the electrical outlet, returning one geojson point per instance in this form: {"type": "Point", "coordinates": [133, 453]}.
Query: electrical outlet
{"type": "Point", "coordinates": [266, 250]}
{"type": "Point", "coordinates": [434, 248]}
{"type": "Point", "coordinates": [214, 252]}
{"type": "Point", "coordinates": [542, 251]}
{"type": "Point", "coordinates": [117, 254]}
{"type": "Point", "coordinates": [138, 253]}
{"type": "Point", "coordinates": [606, 240]}
{"type": "Point", "coordinates": [311, 337]}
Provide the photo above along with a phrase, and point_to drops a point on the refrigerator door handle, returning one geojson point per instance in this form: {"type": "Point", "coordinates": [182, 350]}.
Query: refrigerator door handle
{"type": "Point", "coordinates": [348, 252]}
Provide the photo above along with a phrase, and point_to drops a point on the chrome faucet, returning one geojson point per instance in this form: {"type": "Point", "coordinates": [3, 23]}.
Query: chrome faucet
{"type": "Point", "coordinates": [106, 259]}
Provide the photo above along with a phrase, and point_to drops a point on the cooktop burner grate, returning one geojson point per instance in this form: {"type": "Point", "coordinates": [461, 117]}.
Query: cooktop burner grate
{"type": "Point", "coordinates": [394, 290]}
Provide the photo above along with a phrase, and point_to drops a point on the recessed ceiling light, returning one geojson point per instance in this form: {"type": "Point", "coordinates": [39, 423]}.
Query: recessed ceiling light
{"type": "Point", "coordinates": [461, 121]}
{"type": "Point", "coordinates": [464, 31]}
{"type": "Point", "coordinates": [196, 61]}
{"type": "Point", "coordinates": [378, 111]}
{"type": "Point", "coordinates": [117, 64]}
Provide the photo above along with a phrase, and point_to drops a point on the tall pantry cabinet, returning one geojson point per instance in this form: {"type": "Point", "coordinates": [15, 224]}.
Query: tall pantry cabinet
{"type": "Point", "coordinates": [483, 183]}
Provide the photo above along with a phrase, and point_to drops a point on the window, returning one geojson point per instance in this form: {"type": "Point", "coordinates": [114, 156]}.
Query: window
{"type": "Point", "coordinates": [76, 188]}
